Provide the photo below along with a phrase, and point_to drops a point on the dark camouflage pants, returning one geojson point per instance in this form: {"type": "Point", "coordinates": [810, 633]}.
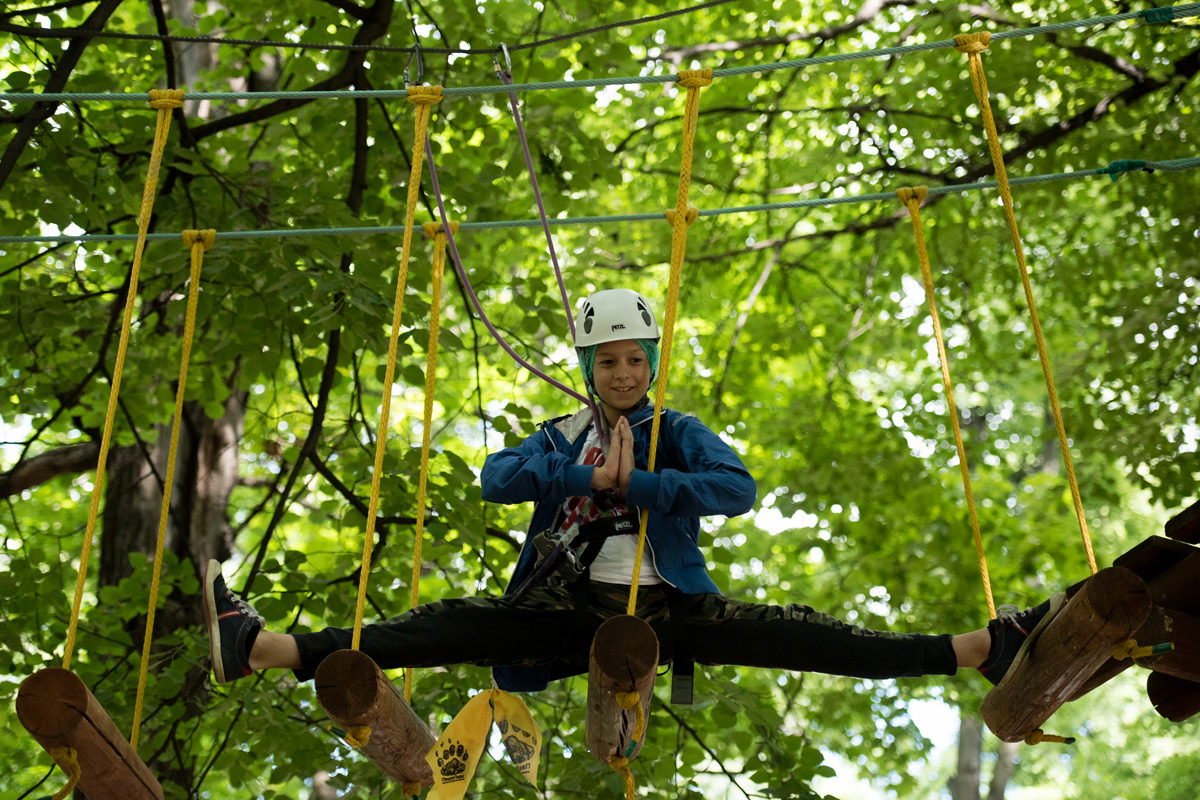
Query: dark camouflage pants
{"type": "Point", "coordinates": [556, 624]}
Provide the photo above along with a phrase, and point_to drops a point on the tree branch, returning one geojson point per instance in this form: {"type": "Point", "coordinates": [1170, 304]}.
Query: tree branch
{"type": "Point", "coordinates": [375, 26]}
{"type": "Point", "coordinates": [57, 82]}
{"type": "Point", "coordinates": [69, 460]}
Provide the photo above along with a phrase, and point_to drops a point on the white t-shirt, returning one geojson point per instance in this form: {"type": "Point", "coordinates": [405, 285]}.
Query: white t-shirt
{"type": "Point", "coordinates": [614, 563]}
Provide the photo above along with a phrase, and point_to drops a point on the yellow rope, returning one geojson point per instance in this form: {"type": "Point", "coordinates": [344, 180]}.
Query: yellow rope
{"type": "Point", "coordinates": [1131, 649]}
{"type": "Point", "coordinates": [359, 736]}
{"type": "Point", "coordinates": [67, 759]}
{"type": "Point", "coordinates": [680, 219]}
{"type": "Point", "coordinates": [435, 232]}
{"type": "Point", "coordinates": [198, 243]}
{"type": "Point", "coordinates": [621, 765]}
{"type": "Point", "coordinates": [633, 701]}
{"type": "Point", "coordinates": [422, 97]}
{"type": "Point", "coordinates": [164, 100]}
{"type": "Point", "coordinates": [973, 44]}
{"type": "Point", "coordinates": [912, 199]}
{"type": "Point", "coordinates": [1039, 736]}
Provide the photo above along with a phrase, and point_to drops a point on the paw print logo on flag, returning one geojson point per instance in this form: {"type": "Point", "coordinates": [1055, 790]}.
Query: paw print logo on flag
{"type": "Point", "coordinates": [457, 753]}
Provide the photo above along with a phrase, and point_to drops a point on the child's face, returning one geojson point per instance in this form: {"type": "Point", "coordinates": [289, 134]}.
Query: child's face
{"type": "Point", "coordinates": [621, 373]}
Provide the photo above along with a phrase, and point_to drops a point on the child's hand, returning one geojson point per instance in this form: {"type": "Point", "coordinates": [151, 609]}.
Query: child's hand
{"type": "Point", "coordinates": [606, 473]}
{"type": "Point", "coordinates": [623, 436]}
{"type": "Point", "coordinates": [614, 471]}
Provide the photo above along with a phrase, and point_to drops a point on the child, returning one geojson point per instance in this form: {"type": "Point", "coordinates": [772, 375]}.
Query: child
{"type": "Point", "coordinates": [576, 563]}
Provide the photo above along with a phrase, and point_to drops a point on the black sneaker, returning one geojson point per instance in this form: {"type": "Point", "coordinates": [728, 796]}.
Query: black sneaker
{"type": "Point", "coordinates": [232, 623]}
{"type": "Point", "coordinates": [1012, 633]}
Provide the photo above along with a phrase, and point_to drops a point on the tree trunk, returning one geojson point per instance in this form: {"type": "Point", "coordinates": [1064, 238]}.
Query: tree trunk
{"type": "Point", "coordinates": [965, 783]}
{"type": "Point", "coordinates": [1006, 765]}
{"type": "Point", "coordinates": [205, 474]}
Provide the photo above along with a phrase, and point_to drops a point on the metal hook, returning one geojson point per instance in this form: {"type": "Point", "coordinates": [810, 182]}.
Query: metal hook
{"type": "Point", "coordinates": [416, 53]}
{"type": "Point", "coordinates": [505, 75]}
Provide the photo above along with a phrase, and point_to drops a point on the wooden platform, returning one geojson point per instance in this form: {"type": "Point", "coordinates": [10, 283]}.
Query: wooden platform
{"type": "Point", "coordinates": [1151, 594]}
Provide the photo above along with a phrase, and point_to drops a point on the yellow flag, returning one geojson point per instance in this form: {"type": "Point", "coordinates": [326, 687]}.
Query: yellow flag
{"type": "Point", "coordinates": [459, 748]}
{"type": "Point", "coordinates": [518, 732]}
{"type": "Point", "coordinates": [457, 753]}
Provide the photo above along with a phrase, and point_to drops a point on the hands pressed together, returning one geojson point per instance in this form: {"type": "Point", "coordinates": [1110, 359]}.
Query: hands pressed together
{"type": "Point", "coordinates": [614, 471]}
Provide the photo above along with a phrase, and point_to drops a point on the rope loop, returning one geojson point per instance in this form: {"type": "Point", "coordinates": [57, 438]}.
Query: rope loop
{"type": "Point", "coordinates": [411, 789]}
{"type": "Point", "coordinates": [67, 759]}
{"type": "Point", "coordinates": [972, 42]}
{"type": "Point", "coordinates": [695, 78]}
{"type": "Point", "coordinates": [166, 98]}
{"type": "Point", "coordinates": [205, 238]}
{"type": "Point", "coordinates": [432, 229]}
{"type": "Point", "coordinates": [912, 194]}
{"type": "Point", "coordinates": [691, 216]}
{"type": "Point", "coordinates": [424, 95]}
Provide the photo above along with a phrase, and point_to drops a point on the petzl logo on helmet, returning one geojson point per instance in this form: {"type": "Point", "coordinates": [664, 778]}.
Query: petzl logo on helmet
{"type": "Point", "coordinates": [618, 327]}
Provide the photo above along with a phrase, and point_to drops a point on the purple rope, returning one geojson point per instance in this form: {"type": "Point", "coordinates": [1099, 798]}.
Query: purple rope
{"type": "Point", "coordinates": [506, 77]}
{"type": "Point", "coordinates": [462, 276]}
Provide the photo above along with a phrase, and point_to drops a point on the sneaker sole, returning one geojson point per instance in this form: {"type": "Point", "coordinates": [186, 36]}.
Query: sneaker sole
{"type": "Point", "coordinates": [1057, 601]}
{"type": "Point", "coordinates": [211, 573]}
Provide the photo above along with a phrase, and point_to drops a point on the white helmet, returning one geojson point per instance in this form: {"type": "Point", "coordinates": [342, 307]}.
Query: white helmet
{"type": "Point", "coordinates": [612, 315]}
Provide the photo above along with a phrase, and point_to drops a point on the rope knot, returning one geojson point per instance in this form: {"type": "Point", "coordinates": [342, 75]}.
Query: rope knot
{"type": "Point", "coordinates": [411, 789]}
{"type": "Point", "coordinates": [432, 229]}
{"type": "Point", "coordinates": [424, 95]}
{"type": "Point", "coordinates": [972, 42]}
{"type": "Point", "coordinates": [691, 216]}
{"type": "Point", "coordinates": [358, 736]}
{"type": "Point", "coordinates": [166, 98]}
{"type": "Point", "coordinates": [695, 78]}
{"type": "Point", "coordinates": [910, 195]}
{"type": "Point", "coordinates": [205, 237]}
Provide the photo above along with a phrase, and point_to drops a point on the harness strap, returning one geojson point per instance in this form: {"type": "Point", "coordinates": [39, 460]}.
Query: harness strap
{"type": "Point", "coordinates": [683, 663]}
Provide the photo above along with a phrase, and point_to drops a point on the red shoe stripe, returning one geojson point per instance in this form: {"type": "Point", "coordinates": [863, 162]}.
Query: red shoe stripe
{"type": "Point", "coordinates": [228, 614]}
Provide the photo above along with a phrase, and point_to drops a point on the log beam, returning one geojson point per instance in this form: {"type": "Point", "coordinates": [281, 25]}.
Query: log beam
{"type": "Point", "coordinates": [624, 658]}
{"type": "Point", "coordinates": [59, 710]}
{"type": "Point", "coordinates": [1174, 698]}
{"type": "Point", "coordinates": [364, 702]}
{"type": "Point", "coordinates": [1107, 610]}
{"type": "Point", "coordinates": [1185, 526]}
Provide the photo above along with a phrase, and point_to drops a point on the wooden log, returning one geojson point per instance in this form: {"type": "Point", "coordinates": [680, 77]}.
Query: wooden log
{"type": "Point", "coordinates": [1107, 610]}
{"type": "Point", "coordinates": [59, 710]}
{"type": "Point", "coordinates": [355, 693]}
{"type": "Point", "coordinates": [1185, 526]}
{"type": "Point", "coordinates": [1174, 698]}
{"type": "Point", "coordinates": [1180, 629]}
{"type": "Point", "coordinates": [1171, 571]}
{"type": "Point", "coordinates": [624, 658]}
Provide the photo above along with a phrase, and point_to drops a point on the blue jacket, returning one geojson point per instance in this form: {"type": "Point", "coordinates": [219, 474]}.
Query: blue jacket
{"type": "Point", "coordinates": [696, 474]}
